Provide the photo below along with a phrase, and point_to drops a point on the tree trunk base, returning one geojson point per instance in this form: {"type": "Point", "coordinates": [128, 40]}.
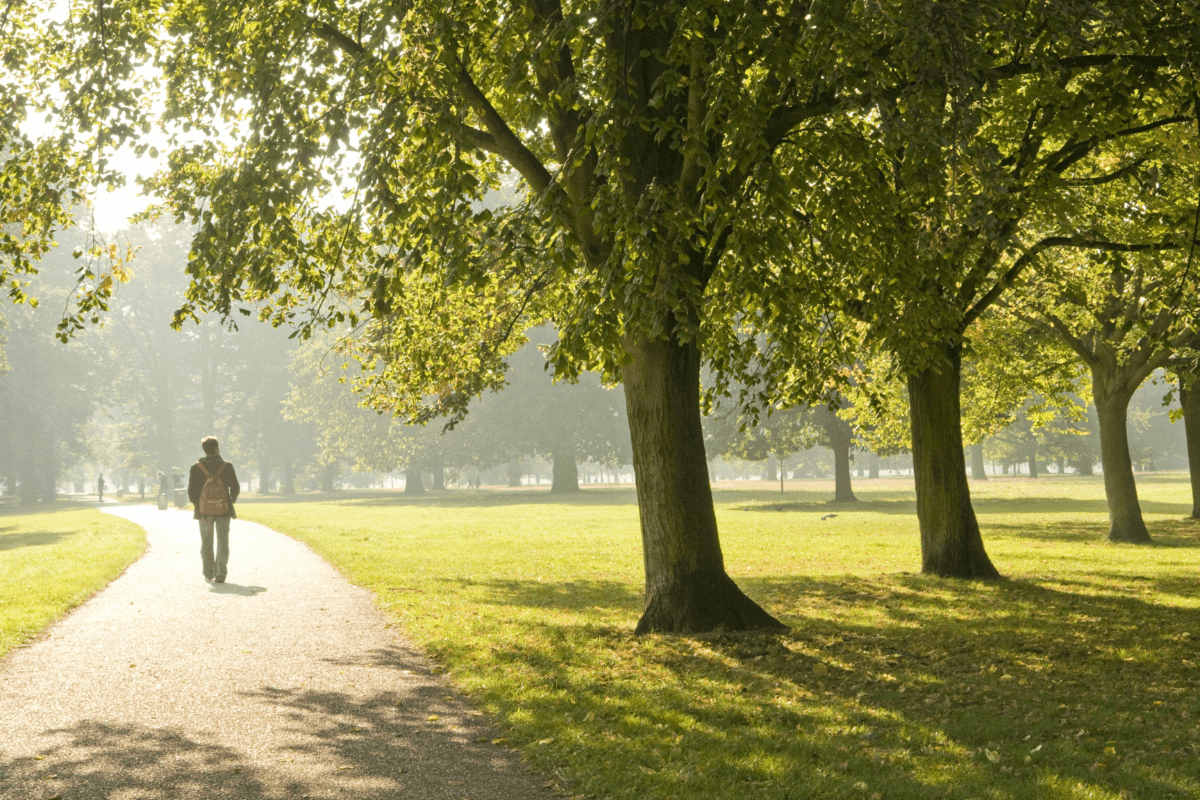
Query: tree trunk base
{"type": "Point", "coordinates": [971, 571]}
{"type": "Point", "coordinates": [844, 497]}
{"type": "Point", "coordinates": [565, 488]}
{"type": "Point", "coordinates": [704, 604]}
{"type": "Point", "coordinates": [1129, 534]}
{"type": "Point", "coordinates": [967, 559]}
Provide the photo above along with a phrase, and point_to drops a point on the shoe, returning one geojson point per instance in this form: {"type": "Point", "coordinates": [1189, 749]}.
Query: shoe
{"type": "Point", "coordinates": [218, 580]}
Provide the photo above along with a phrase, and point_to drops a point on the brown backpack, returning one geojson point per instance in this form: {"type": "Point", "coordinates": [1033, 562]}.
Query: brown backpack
{"type": "Point", "coordinates": [214, 500]}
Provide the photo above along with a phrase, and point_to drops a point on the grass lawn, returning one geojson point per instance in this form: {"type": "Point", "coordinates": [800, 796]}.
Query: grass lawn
{"type": "Point", "coordinates": [52, 558]}
{"type": "Point", "coordinates": [1076, 677]}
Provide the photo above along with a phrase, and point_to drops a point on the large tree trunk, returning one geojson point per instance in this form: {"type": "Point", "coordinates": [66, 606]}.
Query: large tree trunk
{"type": "Point", "coordinates": [1189, 400]}
{"type": "Point", "coordinates": [514, 472]}
{"type": "Point", "coordinates": [951, 545]}
{"type": "Point", "coordinates": [264, 473]}
{"type": "Point", "coordinates": [438, 484]}
{"type": "Point", "coordinates": [978, 470]}
{"type": "Point", "coordinates": [289, 478]}
{"type": "Point", "coordinates": [840, 436]}
{"type": "Point", "coordinates": [873, 466]}
{"type": "Point", "coordinates": [1125, 523]}
{"type": "Point", "coordinates": [1033, 465]}
{"type": "Point", "coordinates": [328, 471]}
{"type": "Point", "coordinates": [566, 469]}
{"type": "Point", "coordinates": [412, 481]}
{"type": "Point", "coordinates": [687, 589]}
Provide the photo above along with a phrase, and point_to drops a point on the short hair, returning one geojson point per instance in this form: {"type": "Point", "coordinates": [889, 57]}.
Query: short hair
{"type": "Point", "coordinates": [209, 443]}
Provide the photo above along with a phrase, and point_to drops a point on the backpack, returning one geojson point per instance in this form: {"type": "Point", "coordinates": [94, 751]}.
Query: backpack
{"type": "Point", "coordinates": [214, 500]}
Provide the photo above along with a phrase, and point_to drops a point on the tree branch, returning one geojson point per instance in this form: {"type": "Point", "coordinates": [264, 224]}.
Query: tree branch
{"type": "Point", "coordinates": [1007, 279]}
{"type": "Point", "coordinates": [1070, 154]}
{"type": "Point", "coordinates": [1052, 325]}
{"type": "Point", "coordinates": [506, 144]}
{"type": "Point", "coordinates": [1100, 180]}
{"type": "Point", "coordinates": [1017, 68]}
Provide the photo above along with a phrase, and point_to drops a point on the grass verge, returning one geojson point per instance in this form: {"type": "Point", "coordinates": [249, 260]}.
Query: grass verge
{"type": "Point", "coordinates": [1076, 677]}
{"type": "Point", "coordinates": [52, 558]}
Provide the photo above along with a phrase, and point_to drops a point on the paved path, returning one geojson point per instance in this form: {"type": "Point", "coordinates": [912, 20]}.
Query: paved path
{"type": "Point", "coordinates": [285, 682]}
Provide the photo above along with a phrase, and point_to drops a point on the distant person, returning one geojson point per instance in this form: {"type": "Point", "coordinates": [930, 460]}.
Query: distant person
{"type": "Point", "coordinates": [142, 488]}
{"type": "Point", "coordinates": [100, 487]}
{"type": "Point", "coordinates": [213, 488]}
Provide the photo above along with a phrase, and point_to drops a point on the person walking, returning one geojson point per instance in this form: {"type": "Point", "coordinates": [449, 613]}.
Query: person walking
{"type": "Point", "coordinates": [100, 487]}
{"type": "Point", "coordinates": [213, 488]}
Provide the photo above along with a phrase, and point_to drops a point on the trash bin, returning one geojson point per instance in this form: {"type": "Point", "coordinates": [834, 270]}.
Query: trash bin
{"type": "Point", "coordinates": [162, 502]}
{"type": "Point", "coordinates": [181, 498]}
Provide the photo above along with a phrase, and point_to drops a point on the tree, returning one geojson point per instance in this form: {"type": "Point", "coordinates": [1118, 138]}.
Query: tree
{"type": "Point", "coordinates": [568, 422]}
{"type": "Point", "coordinates": [1124, 315]}
{"type": "Point", "coordinates": [54, 147]}
{"type": "Point", "coordinates": [320, 399]}
{"type": "Point", "coordinates": [47, 393]}
{"type": "Point", "coordinates": [969, 169]}
{"type": "Point", "coordinates": [638, 133]}
{"type": "Point", "coordinates": [753, 437]}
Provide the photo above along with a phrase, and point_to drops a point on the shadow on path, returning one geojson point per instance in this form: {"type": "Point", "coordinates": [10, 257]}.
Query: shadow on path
{"type": "Point", "coordinates": [104, 760]}
{"type": "Point", "coordinates": [235, 589]}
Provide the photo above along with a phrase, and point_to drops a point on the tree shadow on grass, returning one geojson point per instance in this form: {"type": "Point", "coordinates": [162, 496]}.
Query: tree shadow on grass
{"type": "Point", "coordinates": [482, 498]}
{"type": "Point", "coordinates": [984, 506]}
{"type": "Point", "coordinates": [567, 595]}
{"type": "Point", "coordinates": [14, 541]}
{"type": "Point", "coordinates": [1173, 533]}
{"type": "Point", "coordinates": [910, 685]}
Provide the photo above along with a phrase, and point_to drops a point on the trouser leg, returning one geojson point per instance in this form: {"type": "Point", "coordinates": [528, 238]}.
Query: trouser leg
{"type": "Point", "coordinates": [222, 561]}
{"type": "Point", "coordinates": [206, 548]}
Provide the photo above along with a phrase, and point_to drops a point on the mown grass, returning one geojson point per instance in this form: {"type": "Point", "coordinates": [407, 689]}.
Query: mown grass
{"type": "Point", "coordinates": [52, 558]}
{"type": "Point", "coordinates": [1076, 677]}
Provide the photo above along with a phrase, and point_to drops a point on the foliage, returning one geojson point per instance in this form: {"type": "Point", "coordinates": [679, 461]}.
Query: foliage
{"type": "Point", "coordinates": [65, 102]}
{"type": "Point", "coordinates": [344, 430]}
{"type": "Point", "coordinates": [48, 393]}
{"type": "Point", "coordinates": [580, 420]}
{"type": "Point", "coordinates": [53, 560]}
{"type": "Point", "coordinates": [903, 684]}
{"type": "Point", "coordinates": [1008, 373]}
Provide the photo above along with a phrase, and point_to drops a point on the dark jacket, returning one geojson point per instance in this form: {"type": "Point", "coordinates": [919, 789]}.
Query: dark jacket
{"type": "Point", "coordinates": [196, 479]}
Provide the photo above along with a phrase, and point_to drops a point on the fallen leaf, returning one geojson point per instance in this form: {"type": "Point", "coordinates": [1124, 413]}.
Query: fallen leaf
{"type": "Point", "coordinates": [992, 755]}
{"type": "Point", "coordinates": [433, 717]}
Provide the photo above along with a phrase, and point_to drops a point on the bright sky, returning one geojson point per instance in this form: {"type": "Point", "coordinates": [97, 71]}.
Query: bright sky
{"type": "Point", "coordinates": [111, 210]}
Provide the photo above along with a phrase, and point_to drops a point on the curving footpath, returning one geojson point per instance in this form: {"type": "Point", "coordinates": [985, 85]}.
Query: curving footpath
{"type": "Point", "coordinates": [285, 682]}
